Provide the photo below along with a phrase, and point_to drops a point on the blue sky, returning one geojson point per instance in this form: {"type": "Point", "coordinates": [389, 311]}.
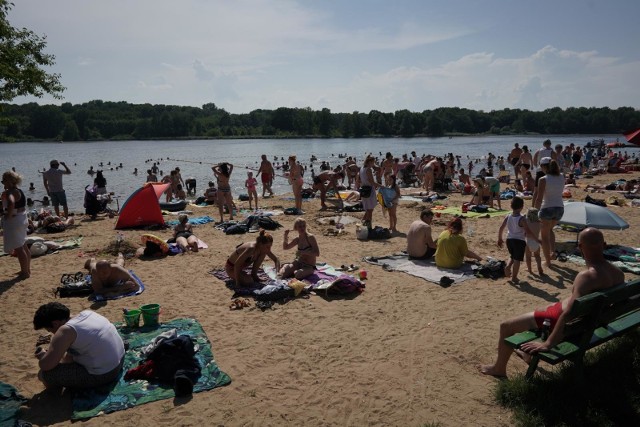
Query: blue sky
{"type": "Point", "coordinates": [345, 55]}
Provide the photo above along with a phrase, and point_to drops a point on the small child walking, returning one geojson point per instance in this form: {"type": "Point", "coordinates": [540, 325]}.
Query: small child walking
{"type": "Point", "coordinates": [517, 231]}
{"type": "Point", "coordinates": [533, 242]}
{"type": "Point", "coordinates": [393, 216]}
{"type": "Point", "coordinates": [250, 184]}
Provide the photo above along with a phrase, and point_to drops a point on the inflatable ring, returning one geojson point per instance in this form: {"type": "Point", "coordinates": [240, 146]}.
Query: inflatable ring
{"type": "Point", "coordinates": [155, 239]}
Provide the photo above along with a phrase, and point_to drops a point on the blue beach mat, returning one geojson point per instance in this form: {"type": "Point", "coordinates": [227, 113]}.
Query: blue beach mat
{"type": "Point", "coordinates": [127, 394]}
{"type": "Point", "coordinates": [193, 221]}
{"type": "Point", "coordinates": [100, 297]}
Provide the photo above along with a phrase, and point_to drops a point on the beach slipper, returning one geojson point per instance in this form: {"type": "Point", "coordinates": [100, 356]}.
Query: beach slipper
{"type": "Point", "coordinates": [446, 281]}
{"type": "Point", "coordinates": [342, 268]}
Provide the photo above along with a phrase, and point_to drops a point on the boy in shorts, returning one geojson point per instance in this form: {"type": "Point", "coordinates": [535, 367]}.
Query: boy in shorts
{"type": "Point", "coordinates": [517, 232]}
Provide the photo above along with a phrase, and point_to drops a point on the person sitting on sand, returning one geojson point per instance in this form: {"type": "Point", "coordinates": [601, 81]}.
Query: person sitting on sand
{"type": "Point", "coordinates": [420, 244]}
{"type": "Point", "coordinates": [480, 194]}
{"type": "Point", "coordinates": [211, 194]}
{"type": "Point", "coordinates": [180, 194]}
{"type": "Point", "coordinates": [110, 279]}
{"type": "Point", "coordinates": [308, 250]}
{"type": "Point", "coordinates": [183, 233]}
{"type": "Point", "coordinates": [452, 247]}
{"type": "Point", "coordinates": [85, 351]}
{"type": "Point", "coordinates": [599, 274]}
{"type": "Point", "coordinates": [250, 254]}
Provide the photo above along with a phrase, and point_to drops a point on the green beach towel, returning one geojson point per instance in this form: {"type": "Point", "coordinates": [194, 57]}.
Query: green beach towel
{"type": "Point", "coordinates": [127, 394]}
{"type": "Point", "coordinates": [10, 402]}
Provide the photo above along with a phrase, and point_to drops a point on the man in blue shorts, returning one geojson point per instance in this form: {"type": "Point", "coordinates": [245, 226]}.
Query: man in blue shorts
{"type": "Point", "coordinates": [53, 184]}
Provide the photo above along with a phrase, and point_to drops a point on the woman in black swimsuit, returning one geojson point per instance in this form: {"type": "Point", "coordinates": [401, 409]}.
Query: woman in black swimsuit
{"type": "Point", "coordinates": [183, 233]}
{"type": "Point", "coordinates": [250, 254]}
{"type": "Point", "coordinates": [305, 263]}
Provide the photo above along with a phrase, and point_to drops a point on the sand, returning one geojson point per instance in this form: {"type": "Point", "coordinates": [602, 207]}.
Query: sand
{"type": "Point", "coordinates": [402, 353]}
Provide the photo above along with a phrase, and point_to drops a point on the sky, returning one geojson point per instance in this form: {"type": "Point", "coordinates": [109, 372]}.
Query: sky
{"type": "Point", "coordinates": [345, 55]}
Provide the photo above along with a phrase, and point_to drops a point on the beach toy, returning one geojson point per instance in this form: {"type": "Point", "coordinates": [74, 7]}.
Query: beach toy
{"type": "Point", "coordinates": [150, 314]}
{"type": "Point", "coordinates": [132, 318]}
{"type": "Point", "coordinates": [363, 274]}
{"type": "Point", "coordinates": [155, 239]}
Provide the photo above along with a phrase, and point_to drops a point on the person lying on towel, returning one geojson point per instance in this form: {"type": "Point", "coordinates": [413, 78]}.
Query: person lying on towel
{"type": "Point", "coordinates": [110, 279]}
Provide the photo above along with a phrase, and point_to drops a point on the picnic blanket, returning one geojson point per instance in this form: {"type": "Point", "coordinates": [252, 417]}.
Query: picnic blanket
{"type": "Point", "coordinates": [10, 402]}
{"type": "Point", "coordinates": [425, 269]}
{"type": "Point", "coordinates": [127, 394]}
{"type": "Point", "coordinates": [100, 297]}
{"type": "Point", "coordinates": [193, 221]}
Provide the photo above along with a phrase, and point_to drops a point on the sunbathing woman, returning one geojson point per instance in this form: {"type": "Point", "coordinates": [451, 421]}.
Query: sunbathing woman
{"type": "Point", "coordinates": [183, 233]}
{"type": "Point", "coordinates": [222, 171]}
{"type": "Point", "coordinates": [305, 262]}
{"type": "Point", "coordinates": [250, 254]}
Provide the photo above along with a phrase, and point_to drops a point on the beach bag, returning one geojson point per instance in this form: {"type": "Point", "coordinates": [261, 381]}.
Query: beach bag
{"type": "Point", "coordinates": [268, 223]}
{"type": "Point", "coordinates": [480, 208]}
{"type": "Point", "coordinates": [200, 200]}
{"type": "Point", "coordinates": [362, 233]}
{"type": "Point", "coordinates": [365, 191]}
{"type": "Point", "coordinates": [379, 233]}
{"type": "Point", "coordinates": [493, 269]}
{"type": "Point", "coordinates": [236, 229]}
{"type": "Point", "coordinates": [74, 285]}
{"type": "Point", "coordinates": [243, 197]}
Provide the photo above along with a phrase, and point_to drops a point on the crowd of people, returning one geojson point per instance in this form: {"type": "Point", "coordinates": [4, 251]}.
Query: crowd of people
{"type": "Point", "coordinates": [77, 358]}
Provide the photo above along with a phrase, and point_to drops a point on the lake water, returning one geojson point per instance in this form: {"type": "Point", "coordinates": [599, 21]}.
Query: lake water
{"type": "Point", "coordinates": [29, 158]}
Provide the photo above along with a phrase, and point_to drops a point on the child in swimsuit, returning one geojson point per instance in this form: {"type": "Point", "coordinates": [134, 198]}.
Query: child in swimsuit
{"type": "Point", "coordinates": [533, 247]}
{"type": "Point", "coordinates": [307, 251]}
{"type": "Point", "coordinates": [250, 185]}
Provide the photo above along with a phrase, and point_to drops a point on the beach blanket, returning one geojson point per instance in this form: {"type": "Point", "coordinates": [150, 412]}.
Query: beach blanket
{"type": "Point", "coordinates": [193, 221]}
{"type": "Point", "coordinates": [100, 297]}
{"type": "Point", "coordinates": [425, 269]}
{"type": "Point", "coordinates": [625, 258]}
{"type": "Point", "coordinates": [126, 394]}
{"type": "Point", "coordinates": [338, 219]}
{"type": "Point", "coordinates": [10, 402]}
{"type": "Point", "coordinates": [69, 243]}
{"type": "Point", "coordinates": [455, 210]}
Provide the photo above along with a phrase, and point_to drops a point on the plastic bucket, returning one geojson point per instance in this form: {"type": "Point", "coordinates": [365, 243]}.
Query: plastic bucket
{"type": "Point", "coordinates": [150, 314]}
{"type": "Point", "coordinates": [132, 318]}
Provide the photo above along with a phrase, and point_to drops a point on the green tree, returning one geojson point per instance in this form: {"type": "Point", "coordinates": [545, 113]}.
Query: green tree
{"type": "Point", "coordinates": [70, 132]}
{"type": "Point", "coordinates": [22, 60]}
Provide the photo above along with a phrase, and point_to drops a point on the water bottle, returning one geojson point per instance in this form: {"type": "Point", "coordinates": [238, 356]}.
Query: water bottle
{"type": "Point", "coordinates": [546, 329]}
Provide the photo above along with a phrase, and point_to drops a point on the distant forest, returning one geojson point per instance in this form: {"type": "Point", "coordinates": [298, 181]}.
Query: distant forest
{"type": "Point", "coordinates": [99, 120]}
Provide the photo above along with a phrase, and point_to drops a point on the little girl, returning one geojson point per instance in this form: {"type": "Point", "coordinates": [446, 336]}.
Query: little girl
{"type": "Point", "coordinates": [393, 217]}
{"type": "Point", "coordinates": [250, 184]}
{"type": "Point", "coordinates": [533, 247]}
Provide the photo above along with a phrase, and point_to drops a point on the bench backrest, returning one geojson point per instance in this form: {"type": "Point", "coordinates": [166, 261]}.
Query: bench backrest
{"type": "Point", "coordinates": [597, 308]}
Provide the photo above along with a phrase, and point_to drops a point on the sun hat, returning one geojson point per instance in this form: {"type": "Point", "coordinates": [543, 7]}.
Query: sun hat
{"type": "Point", "coordinates": [545, 160]}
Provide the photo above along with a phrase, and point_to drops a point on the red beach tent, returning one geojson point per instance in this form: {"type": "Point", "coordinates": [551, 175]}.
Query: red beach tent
{"type": "Point", "coordinates": [633, 136]}
{"type": "Point", "coordinates": [142, 207]}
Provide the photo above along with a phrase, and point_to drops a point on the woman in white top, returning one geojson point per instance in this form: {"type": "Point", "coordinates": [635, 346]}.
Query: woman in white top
{"type": "Point", "coordinates": [548, 198]}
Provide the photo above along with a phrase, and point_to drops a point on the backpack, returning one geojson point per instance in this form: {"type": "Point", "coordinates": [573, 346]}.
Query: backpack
{"type": "Point", "coordinates": [379, 233]}
{"type": "Point", "coordinates": [493, 269]}
{"type": "Point", "coordinates": [268, 223]}
{"type": "Point", "coordinates": [236, 229]}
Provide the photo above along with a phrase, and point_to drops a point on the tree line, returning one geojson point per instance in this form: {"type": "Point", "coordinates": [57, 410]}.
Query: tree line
{"type": "Point", "coordinates": [100, 120]}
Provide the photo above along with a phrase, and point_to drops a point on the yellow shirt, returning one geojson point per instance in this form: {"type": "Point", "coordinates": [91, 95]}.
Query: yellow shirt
{"type": "Point", "coordinates": [451, 250]}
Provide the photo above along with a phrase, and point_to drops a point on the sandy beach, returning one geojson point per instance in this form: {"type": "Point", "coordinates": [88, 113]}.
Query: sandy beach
{"type": "Point", "coordinates": [404, 352]}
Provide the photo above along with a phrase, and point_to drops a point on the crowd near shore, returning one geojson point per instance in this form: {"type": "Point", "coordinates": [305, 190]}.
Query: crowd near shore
{"type": "Point", "coordinates": [404, 333]}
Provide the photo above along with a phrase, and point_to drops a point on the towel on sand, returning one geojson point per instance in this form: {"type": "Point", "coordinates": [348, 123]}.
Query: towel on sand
{"type": "Point", "coordinates": [425, 269]}
{"type": "Point", "coordinates": [127, 394]}
{"type": "Point", "coordinates": [193, 221]}
{"type": "Point", "coordinates": [100, 297]}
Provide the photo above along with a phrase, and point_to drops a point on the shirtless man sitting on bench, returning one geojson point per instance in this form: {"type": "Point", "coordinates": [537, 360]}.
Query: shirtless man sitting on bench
{"type": "Point", "coordinates": [110, 278]}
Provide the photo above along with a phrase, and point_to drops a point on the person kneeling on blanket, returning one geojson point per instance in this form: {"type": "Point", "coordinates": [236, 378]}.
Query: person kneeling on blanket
{"type": "Point", "coordinates": [250, 254]}
{"type": "Point", "coordinates": [110, 279]}
{"type": "Point", "coordinates": [85, 351]}
{"type": "Point", "coordinates": [305, 263]}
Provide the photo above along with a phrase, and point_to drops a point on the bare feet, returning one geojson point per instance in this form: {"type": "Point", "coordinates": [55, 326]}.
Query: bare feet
{"type": "Point", "coordinates": [491, 370]}
{"type": "Point", "coordinates": [541, 271]}
{"type": "Point", "coordinates": [515, 280]}
{"type": "Point", "coordinates": [507, 272]}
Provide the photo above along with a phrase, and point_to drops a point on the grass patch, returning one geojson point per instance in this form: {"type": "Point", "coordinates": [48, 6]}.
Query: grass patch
{"type": "Point", "coordinates": [609, 394]}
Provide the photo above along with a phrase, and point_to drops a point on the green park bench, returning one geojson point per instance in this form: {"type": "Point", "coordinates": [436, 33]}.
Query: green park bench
{"type": "Point", "coordinates": [594, 319]}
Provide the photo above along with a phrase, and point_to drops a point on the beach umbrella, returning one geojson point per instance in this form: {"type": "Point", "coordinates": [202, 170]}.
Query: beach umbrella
{"type": "Point", "coordinates": [633, 136]}
{"type": "Point", "coordinates": [582, 215]}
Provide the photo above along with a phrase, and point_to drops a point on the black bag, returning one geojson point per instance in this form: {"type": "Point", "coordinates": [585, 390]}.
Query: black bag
{"type": "Point", "coordinates": [493, 269]}
{"type": "Point", "coordinates": [365, 191]}
{"type": "Point", "coordinates": [236, 229]}
{"type": "Point", "coordinates": [268, 223]}
{"type": "Point", "coordinates": [379, 233]}
{"type": "Point", "coordinates": [73, 285]}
